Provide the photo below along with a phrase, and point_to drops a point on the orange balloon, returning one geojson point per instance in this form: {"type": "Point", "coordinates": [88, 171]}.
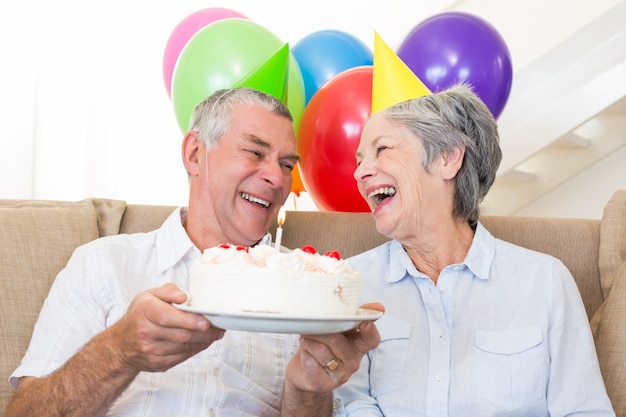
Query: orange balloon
{"type": "Point", "coordinates": [296, 185]}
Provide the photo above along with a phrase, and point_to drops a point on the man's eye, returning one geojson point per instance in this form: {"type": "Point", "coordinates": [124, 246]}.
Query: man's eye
{"type": "Point", "coordinates": [380, 149]}
{"type": "Point", "coordinates": [287, 165]}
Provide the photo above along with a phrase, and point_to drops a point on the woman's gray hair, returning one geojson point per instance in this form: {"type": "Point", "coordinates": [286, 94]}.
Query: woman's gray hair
{"type": "Point", "coordinates": [452, 119]}
{"type": "Point", "coordinates": [212, 117]}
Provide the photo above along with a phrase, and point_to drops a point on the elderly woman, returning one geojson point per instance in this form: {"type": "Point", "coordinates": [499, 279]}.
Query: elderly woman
{"type": "Point", "coordinates": [474, 326]}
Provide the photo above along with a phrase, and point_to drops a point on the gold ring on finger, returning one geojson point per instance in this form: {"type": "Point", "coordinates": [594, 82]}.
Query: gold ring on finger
{"type": "Point", "coordinates": [332, 364]}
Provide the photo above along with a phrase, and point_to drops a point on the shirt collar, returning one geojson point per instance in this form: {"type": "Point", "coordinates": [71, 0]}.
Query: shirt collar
{"type": "Point", "coordinates": [174, 244]}
{"type": "Point", "coordinates": [480, 255]}
{"type": "Point", "coordinates": [478, 260]}
{"type": "Point", "coordinates": [398, 270]}
{"type": "Point", "coordinates": [266, 240]}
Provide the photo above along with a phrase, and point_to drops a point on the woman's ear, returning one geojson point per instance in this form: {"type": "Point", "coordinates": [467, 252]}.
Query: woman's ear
{"type": "Point", "coordinates": [191, 151]}
{"type": "Point", "coordinates": [451, 162]}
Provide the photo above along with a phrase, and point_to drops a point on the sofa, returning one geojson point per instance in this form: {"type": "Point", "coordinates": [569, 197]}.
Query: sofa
{"type": "Point", "coordinates": [38, 237]}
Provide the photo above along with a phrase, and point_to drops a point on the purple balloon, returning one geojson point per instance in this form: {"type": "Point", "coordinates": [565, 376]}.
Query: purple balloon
{"type": "Point", "coordinates": [454, 46]}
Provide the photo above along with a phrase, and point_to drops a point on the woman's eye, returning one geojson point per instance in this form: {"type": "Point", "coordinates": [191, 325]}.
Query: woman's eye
{"type": "Point", "coordinates": [380, 149]}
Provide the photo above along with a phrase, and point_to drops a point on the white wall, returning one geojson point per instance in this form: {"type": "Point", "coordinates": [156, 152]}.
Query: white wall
{"type": "Point", "coordinates": [83, 109]}
{"type": "Point", "coordinates": [584, 195]}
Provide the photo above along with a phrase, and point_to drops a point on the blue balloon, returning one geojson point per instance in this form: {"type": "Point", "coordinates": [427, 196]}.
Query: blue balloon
{"type": "Point", "coordinates": [456, 46]}
{"type": "Point", "coordinates": [324, 54]}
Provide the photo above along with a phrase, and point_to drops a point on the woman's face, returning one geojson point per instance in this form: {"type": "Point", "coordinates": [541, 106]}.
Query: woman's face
{"type": "Point", "coordinates": [403, 197]}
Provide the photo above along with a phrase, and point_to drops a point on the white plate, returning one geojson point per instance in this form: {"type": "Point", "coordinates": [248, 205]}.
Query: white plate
{"type": "Point", "coordinates": [282, 323]}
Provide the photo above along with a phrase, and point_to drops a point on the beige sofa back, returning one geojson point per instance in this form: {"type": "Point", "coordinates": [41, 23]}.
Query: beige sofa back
{"type": "Point", "coordinates": [574, 241]}
{"type": "Point", "coordinates": [353, 233]}
{"type": "Point", "coordinates": [38, 237]}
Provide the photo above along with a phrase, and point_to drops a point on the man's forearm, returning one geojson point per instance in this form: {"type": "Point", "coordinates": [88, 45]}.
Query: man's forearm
{"type": "Point", "coordinates": [86, 385]}
{"type": "Point", "coordinates": [297, 403]}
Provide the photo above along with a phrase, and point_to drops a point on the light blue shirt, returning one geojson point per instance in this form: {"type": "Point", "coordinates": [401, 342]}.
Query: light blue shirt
{"type": "Point", "coordinates": [504, 333]}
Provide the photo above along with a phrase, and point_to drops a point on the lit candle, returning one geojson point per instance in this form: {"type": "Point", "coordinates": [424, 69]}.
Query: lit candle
{"type": "Point", "coordinates": [279, 229]}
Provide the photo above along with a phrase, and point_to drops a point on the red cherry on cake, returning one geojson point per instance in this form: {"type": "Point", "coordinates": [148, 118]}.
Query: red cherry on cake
{"type": "Point", "coordinates": [224, 246]}
{"type": "Point", "coordinates": [333, 254]}
{"type": "Point", "coordinates": [243, 248]}
{"type": "Point", "coordinates": [309, 249]}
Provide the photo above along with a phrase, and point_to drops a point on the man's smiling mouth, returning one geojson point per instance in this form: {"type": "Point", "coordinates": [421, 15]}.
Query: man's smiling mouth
{"type": "Point", "coordinates": [255, 200]}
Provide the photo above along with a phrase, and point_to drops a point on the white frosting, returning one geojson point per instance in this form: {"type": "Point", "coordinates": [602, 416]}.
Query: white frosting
{"type": "Point", "coordinates": [263, 280]}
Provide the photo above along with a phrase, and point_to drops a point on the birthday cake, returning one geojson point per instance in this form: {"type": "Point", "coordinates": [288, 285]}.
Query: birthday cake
{"type": "Point", "coordinates": [259, 279]}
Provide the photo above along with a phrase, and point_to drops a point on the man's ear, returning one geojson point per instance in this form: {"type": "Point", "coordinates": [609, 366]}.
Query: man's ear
{"type": "Point", "coordinates": [451, 162]}
{"type": "Point", "coordinates": [192, 154]}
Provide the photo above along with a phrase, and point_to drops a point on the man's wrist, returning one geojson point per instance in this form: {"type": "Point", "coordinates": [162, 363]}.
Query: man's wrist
{"type": "Point", "coordinates": [300, 403]}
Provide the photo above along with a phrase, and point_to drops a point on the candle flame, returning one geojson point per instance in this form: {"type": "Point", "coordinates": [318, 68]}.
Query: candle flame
{"type": "Point", "coordinates": [281, 215]}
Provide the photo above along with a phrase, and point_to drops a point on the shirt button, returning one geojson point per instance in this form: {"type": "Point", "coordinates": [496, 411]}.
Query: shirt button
{"type": "Point", "coordinates": [440, 333]}
{"type": "Point", "coordinates": [216, 371]}
{"type": "Point", "coordinates": [212, 412]}
{"type": "Point", "coordinates": [443, 289]}
{"type": "Point", "coordinates": [439, 376]}
{"type": "Point", "coordinates": [335, 405]}
{"type": "Point", "coordinates": [456, 267]}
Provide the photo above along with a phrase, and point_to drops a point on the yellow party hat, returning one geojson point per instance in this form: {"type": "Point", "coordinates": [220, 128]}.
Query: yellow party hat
{"type": "Point", "coordinates": [392, 80]}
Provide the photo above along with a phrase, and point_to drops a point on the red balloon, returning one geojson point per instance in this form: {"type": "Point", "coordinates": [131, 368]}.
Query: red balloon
{"type": "Point", "coordinates": [328, 137]}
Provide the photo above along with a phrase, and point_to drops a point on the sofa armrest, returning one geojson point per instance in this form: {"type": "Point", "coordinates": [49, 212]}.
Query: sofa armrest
{"type": "Point", "coordinates": [609, 323]}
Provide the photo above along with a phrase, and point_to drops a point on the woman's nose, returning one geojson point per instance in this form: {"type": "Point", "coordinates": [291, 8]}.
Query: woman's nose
{"type": "Point", "coordinates": [363, 170]}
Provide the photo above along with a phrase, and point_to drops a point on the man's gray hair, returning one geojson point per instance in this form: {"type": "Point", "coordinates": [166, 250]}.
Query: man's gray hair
{"type": "Point", "coordinates": [212, 117]}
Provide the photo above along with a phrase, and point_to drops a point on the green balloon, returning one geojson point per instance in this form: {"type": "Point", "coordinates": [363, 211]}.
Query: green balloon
{"type": "Point", "coordinates": [222, 54]}
{"type": "Point", "coordinates": [296, 99]}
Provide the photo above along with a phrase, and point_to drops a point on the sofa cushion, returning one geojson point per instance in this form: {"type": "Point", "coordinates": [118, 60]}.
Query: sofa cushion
{"type": "Point", "coordinates": [575, 236]}
{"type": "Point", "coordinates": [36, 240]}
{"type": "Point", "coordinates": [348, 233]}
{"type": "Point", "coordinates": [109, 211]}
{"type": "Point", "coordinates": [139, 218]}
{"type": "Point", "coordinates": [609, 322]}
{"type": "Point", "coordinates": [612, 240]}
{"type": "Point", "coordinates": [609, 330]}
{"type": "Point", "coordinates": [110, 214]}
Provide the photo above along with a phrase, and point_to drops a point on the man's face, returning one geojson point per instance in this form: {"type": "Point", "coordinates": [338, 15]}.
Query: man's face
{"type": "Point", "coordinates": [248, 175]}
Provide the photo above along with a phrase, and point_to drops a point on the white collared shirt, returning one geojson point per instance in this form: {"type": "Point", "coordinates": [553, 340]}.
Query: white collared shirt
{"type": "Point", "coordinates": [239, 375]}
